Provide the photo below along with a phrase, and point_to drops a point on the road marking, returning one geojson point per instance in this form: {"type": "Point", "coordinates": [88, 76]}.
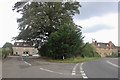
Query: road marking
{"type": "Point", "coordinates": [112, 64]}
{"type": "Point", "coordinates": [81, 69]}
{"type": "Point", "coordinates": [74, 69]}
{"type": "Point", "coordinates": [27, 63]}
{"type": "Point", "coordinates": [52, 71]}
{"type": "Point", "coordinates": [82, 72]}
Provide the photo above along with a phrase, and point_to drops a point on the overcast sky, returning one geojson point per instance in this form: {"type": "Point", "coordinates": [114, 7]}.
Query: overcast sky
{"type": "Point", "coordinates": [98, 19]}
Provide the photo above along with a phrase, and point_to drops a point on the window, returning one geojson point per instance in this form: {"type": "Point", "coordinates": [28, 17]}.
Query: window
{"type": "Point", "coordinates": [16, 53]}
{"type": "Point", "coordinates": [34, 44]}
{"type": "Point", "coordinates": [17, 44]}
{"type": "Point", "coordinates": [24, 44]}
{"type": "Point", "coordinates": [107, 45]}
{"type": "Point", "coordinates": [99, 45]}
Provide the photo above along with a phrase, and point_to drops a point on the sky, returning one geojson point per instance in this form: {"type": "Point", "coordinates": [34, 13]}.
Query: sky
{"type": "Point", "coordinates": [99, 21]}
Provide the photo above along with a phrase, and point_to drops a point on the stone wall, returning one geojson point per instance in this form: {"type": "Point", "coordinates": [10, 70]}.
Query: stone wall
{"type": "Point", "coordinates": [105, 52]}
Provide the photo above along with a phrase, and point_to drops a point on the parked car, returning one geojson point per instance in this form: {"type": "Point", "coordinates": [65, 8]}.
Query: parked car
{"type": "Point", "coordinates": [35, 55]}
{"type": "Point", "coordinates": [25, 54]}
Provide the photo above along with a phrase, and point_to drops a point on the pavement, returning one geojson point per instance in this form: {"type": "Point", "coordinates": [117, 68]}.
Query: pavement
{"type": "Point", "coordinates": [28, 67]}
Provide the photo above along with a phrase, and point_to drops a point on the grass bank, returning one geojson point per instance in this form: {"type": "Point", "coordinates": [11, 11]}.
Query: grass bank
{"type": "Point", "coordinates": [75, 60]}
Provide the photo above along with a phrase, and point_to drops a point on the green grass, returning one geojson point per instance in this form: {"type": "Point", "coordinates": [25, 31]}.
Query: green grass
{"type": "Point", "coordinates": [75, 60]}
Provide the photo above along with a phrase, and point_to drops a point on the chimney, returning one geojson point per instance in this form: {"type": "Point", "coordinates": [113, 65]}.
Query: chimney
{"type": "Point", "coordinates": [95, 43]}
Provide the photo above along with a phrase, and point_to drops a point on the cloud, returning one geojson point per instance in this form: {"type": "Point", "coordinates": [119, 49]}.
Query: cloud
{"type": "Point", "coordinates": [92, 9]}
{"type": "Point", "coordinates": [103, 36]}
{"type": "Point", "coordinates": [102, 28]}
{"type": "Point", "coordinates": [110, 20]}
{"type": "Point", "coordinates": [96, 28]}
{"type": "Point", "coordinates": [8, 24]}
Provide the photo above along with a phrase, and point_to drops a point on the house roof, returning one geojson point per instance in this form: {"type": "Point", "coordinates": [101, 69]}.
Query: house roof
{"type": "Point", "coordinates": [23, 44]}
{"type": "Point", "coordinates": [104, 45]}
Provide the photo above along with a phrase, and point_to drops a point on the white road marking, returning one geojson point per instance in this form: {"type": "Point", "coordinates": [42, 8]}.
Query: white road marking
{"type": "Point", "coordinates": [73, 73]}
{"type": "Point", "coordinates": [112, 64]}
{"type": "Point", "coordinates": [82, 72]}
{"type": "Point", "coordinates": [27, 63]}
{"type": "Point", "coordinates": [52, 71]}
{"type": "Point", "coordinates": [81, 69]}
{"type": "Point", "coordinates": [85, 77]}
{"type": "Point", "coordinates": [74, 69]}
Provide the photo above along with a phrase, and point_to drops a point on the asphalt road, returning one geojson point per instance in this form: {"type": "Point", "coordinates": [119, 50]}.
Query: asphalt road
{"type": "Point", "coordinates": [103, 68]}
{"type": "Point", "coordinates": [19, 67]}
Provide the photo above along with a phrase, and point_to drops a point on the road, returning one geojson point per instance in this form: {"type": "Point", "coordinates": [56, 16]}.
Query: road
{"type": "Point", "coordinates": [104, 68]}
{"type": "Point", "coordinates": [18, 67]}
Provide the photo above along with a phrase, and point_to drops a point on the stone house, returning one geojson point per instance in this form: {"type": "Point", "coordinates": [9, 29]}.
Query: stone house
{"type": "Point", "coordinates": [20, 48]}
{"type": "Point", "coordinates": [105, 49]}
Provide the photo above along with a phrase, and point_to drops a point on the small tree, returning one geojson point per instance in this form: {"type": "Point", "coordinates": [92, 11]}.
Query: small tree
{"type": "Point", "coordinates": [7, 49]}
{"type": "Point", "coordinates": [64, 42]}
{"type": "Point", "coordinates": [89, 51]}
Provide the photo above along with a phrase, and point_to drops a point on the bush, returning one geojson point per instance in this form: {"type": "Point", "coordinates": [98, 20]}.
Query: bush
{"type": "Point", "coordinates": [89, 51]}
{"type": "Point", "coordinates": [113, 55]}
{"type": "Point", "coordinates": [64, 42]}
{"type": "Point", "coordinates": [4, 53]}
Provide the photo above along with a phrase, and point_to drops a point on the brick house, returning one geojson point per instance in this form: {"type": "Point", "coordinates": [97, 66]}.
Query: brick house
{"type": "Point", "coordinates": [105, 49]}
{"type": "Point", "coordinates": [20, 48]}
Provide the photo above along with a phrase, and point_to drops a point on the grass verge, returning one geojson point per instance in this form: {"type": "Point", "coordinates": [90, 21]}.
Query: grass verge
{"type": "Point", "coordinates": [75, 60]}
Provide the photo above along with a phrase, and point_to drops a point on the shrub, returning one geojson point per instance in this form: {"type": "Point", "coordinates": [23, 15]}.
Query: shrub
{"type": "Point", "coordinates": [64, 42]}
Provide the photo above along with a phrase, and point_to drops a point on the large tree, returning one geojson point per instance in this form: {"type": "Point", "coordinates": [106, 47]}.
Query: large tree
{"type": "Point", "coordinates": [40, 19]}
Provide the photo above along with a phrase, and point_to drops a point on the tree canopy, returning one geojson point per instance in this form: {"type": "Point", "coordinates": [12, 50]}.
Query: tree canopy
{"type": "Point", "coordinates": [64, 42]}
{"type": "Point", "coordinates": [7, 49]}
{"type": "Point", "coordinates": [40, 19]}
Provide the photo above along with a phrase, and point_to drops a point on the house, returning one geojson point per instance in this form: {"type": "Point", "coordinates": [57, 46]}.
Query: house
{"type": "Point", "coordinates": [105, 49]}
{"type": "Point", "coordinates": [118, 48]}
{"type": "Point", "coordinates": [20, 48]}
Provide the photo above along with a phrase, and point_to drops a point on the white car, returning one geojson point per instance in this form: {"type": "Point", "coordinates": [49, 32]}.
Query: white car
{"type": "Point", "coordinates": [25, 54]}
{"type": "Point", "coordinates": [35, 55]}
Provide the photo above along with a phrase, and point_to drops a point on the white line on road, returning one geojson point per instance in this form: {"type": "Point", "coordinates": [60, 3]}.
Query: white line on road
{"type": "Point", "coordinates": [74, 69]}
{"type": "Point", "coordinates": [112, 64]}
{"type": "Point", "coordinates": [27, 63]}
{"type": "Point", "coordinates": [82, 72]}
{"type": "Point", "coordinates": [52, 71]}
